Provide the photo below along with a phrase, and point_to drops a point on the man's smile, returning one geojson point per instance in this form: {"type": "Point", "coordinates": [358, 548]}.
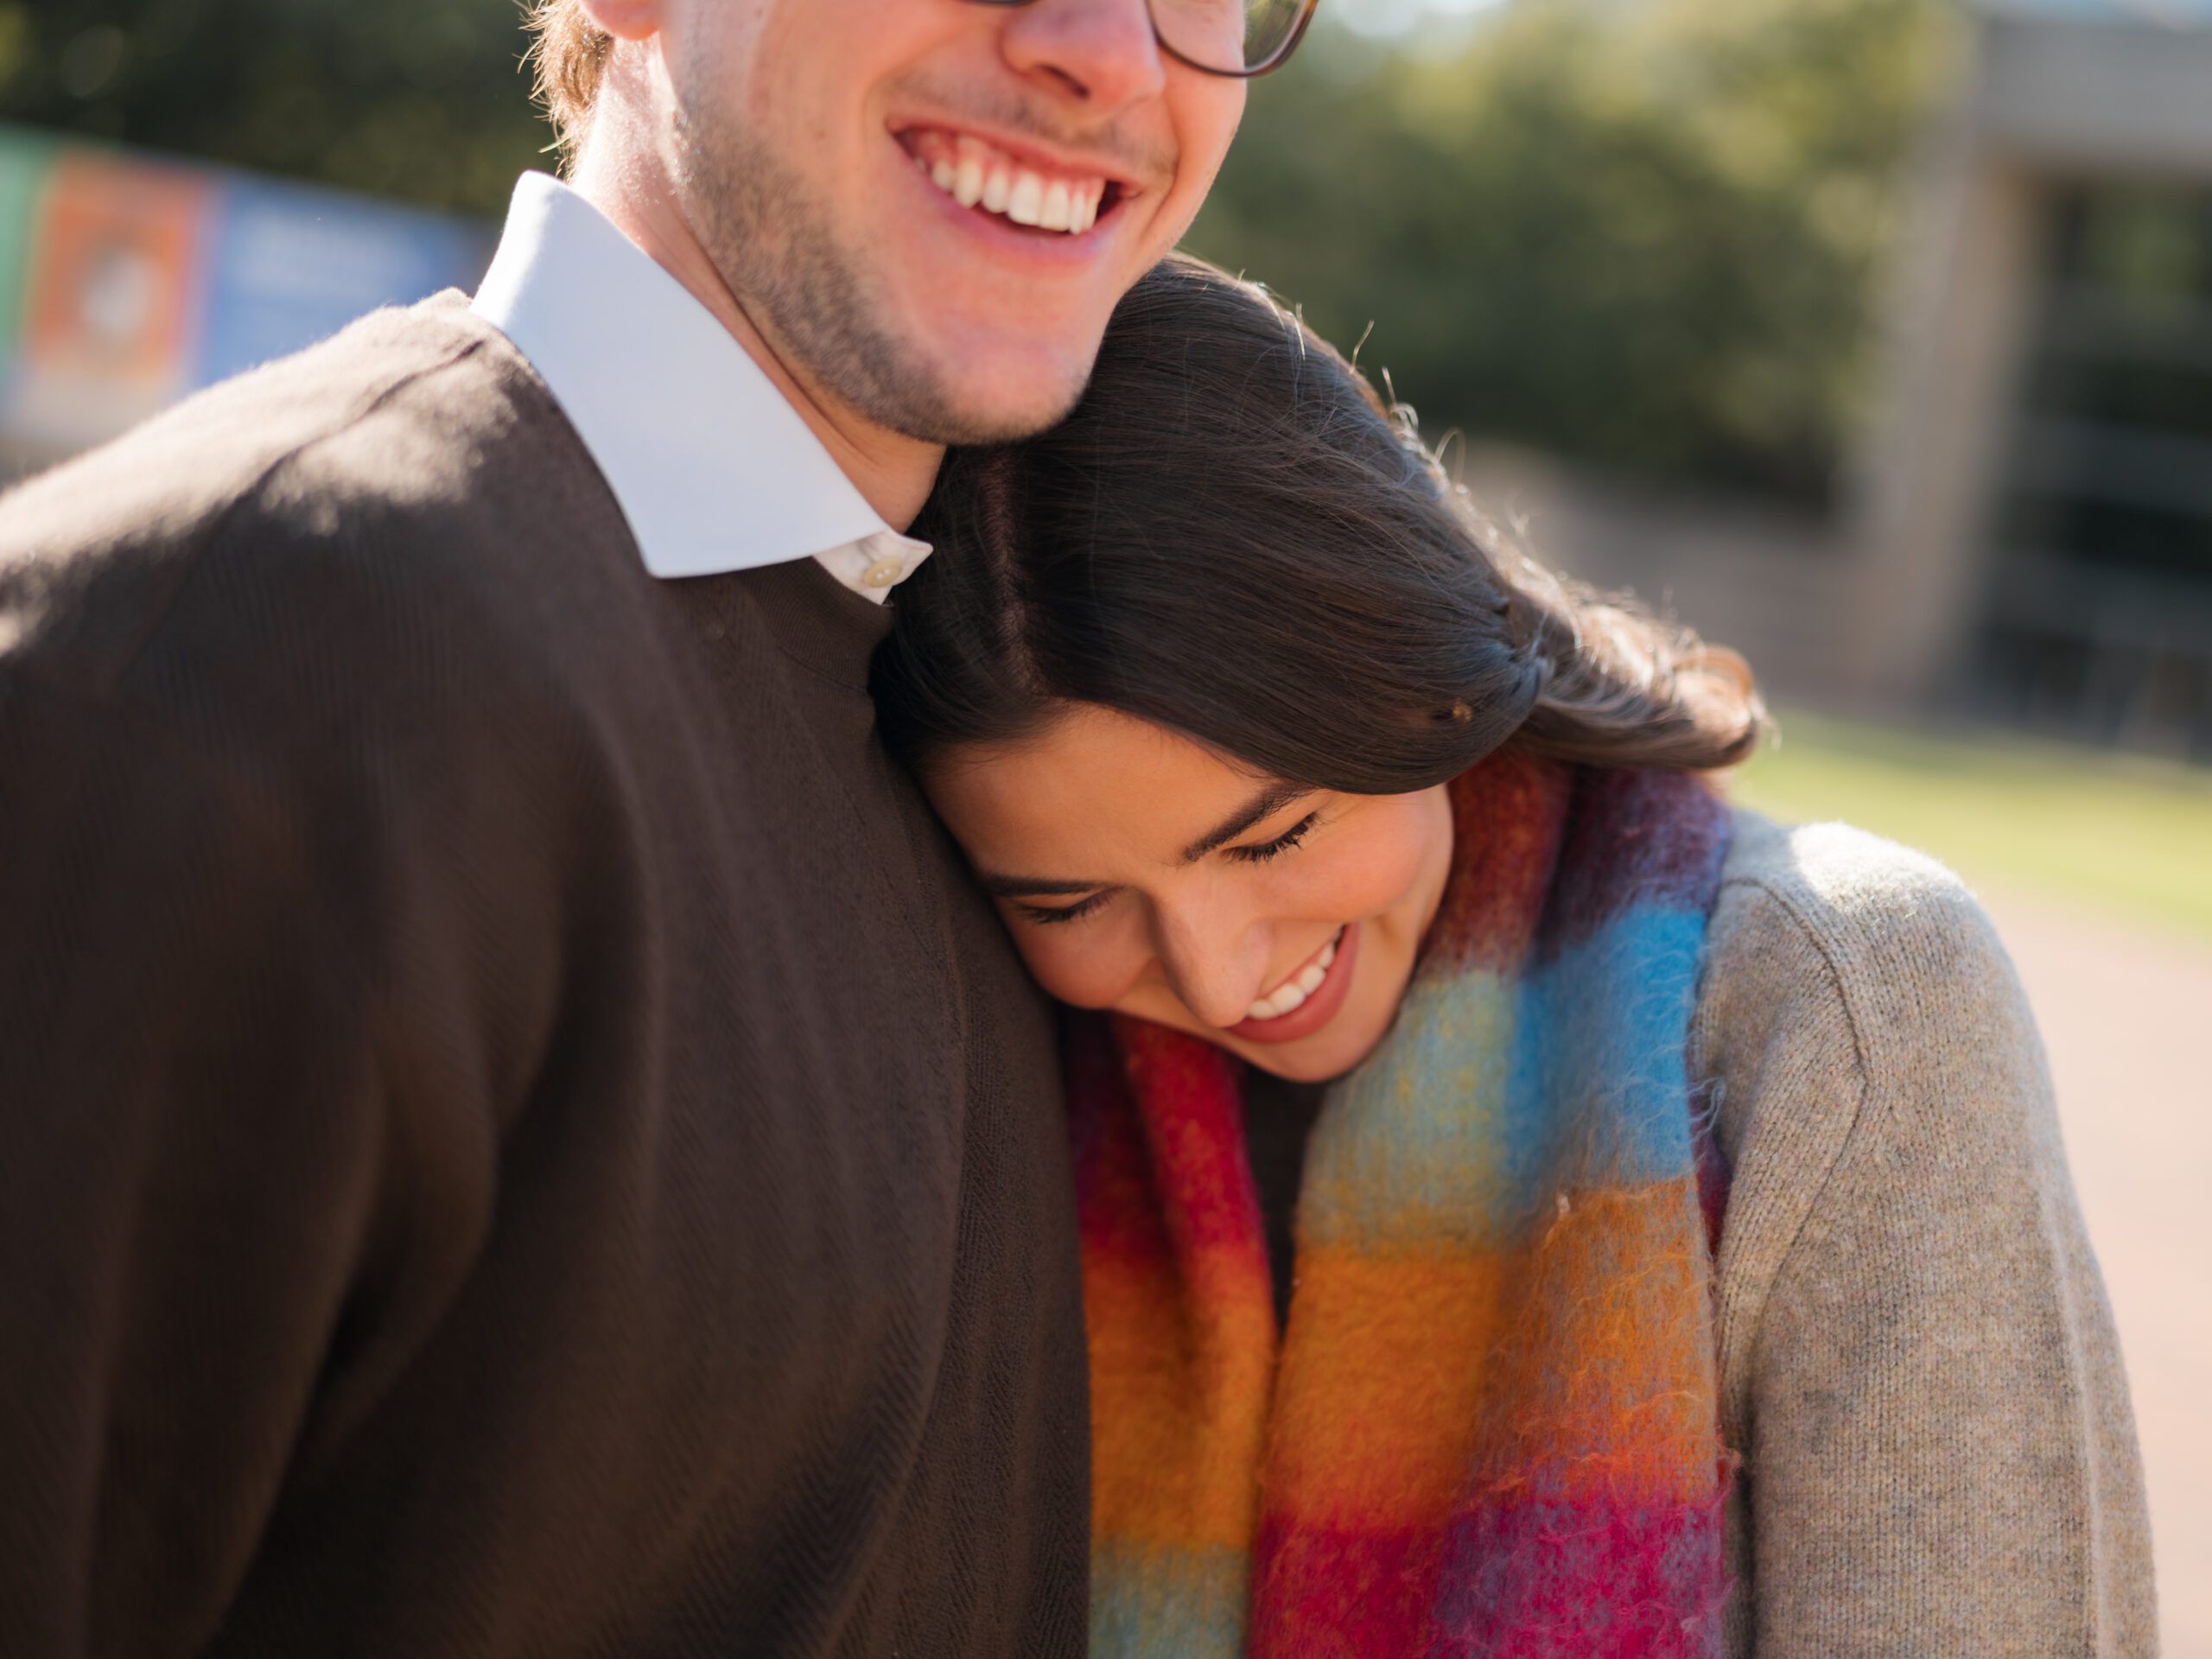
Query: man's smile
{"type": "Point", "coordinates": [1024, 188]}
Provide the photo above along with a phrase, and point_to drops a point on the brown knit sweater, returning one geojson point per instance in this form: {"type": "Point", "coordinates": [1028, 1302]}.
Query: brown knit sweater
{"type": "Point", "coordinates": [517, 1137]}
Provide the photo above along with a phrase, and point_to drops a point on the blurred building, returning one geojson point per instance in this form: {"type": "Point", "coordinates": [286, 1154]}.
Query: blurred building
{"type": "Point", "coordinates": [2037, 521]}
{"type": "Point", "coordinates": [2027, 534]}
{"type": "Point", "coordinates": [126, 282]}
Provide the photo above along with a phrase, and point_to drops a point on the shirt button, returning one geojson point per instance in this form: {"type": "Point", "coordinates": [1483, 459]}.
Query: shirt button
{"type": "Point", "coordinates": [883, 573]}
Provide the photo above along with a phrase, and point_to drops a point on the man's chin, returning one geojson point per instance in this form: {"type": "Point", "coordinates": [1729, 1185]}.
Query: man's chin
{"type": "Point", "coordinates": [973, 398]}
{"type": "Point", "coordinates": [983, 417]}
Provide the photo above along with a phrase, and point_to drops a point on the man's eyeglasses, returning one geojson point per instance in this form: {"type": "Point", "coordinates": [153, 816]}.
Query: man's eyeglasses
{"type": "Point", "coordinates": [1223, 37]}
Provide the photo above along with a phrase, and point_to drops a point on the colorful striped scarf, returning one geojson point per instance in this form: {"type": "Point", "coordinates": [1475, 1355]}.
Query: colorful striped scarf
{"type": "Point", "coordinates": [1491, 1425]}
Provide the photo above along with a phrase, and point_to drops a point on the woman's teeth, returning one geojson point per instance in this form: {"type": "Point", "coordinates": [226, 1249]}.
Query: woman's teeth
{"type": "Point", "coordinates": [976, 175]}
{"type": "Point", "coordinates": [1292, 993]}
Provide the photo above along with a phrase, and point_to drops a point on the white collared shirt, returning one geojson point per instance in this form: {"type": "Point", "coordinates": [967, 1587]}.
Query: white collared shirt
{"type": "Point", "coordinates": [712, 467]}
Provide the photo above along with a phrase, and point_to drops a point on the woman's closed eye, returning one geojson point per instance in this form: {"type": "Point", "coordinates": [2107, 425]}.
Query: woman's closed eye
{"type": "Point", "coordinates": [1290, 838]}
{"type": "Point", "coordinates": [1048, 914]}
{"type": "Point", "coordinates": [1256, 853]}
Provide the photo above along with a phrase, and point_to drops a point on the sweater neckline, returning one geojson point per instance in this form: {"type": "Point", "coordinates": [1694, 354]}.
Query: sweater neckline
{"type": "Point", "coordinates": [819, 623]}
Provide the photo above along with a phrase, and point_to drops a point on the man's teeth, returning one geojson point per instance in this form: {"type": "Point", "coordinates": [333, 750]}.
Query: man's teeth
{"type": "Point", "coordinates": [1292, 994]}
{"type": "Point", "coordinates": [975, 176]}
{"type": "Point", "coordinates": [1055, 216]}
{"type": "Point", "coordinates": [1027, 205]}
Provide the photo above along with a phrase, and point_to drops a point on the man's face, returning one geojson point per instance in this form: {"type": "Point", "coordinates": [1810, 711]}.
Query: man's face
{"type": "Point", "coordinates": [861, 170]}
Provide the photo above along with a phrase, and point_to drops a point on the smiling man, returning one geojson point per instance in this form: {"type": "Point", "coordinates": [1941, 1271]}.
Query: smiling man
{"type": "Point", "coordinates": [521, 1138]}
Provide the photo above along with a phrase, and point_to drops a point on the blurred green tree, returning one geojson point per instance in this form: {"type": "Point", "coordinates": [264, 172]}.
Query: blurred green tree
{"type": "Point", "coordinates": [420, 99]}
{"type": "Point", "coordinates": [1641, 232]}
{"type": "Point", "coordinates": [1647, 233]}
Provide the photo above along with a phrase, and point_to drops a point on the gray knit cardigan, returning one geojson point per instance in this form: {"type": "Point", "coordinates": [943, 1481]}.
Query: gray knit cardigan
{"type": "Point", "coordinates": [1917, 1359]}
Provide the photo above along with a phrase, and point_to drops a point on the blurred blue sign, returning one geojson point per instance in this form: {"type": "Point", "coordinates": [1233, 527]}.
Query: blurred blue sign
{"type": "Point", "coordinates": [288, 265]}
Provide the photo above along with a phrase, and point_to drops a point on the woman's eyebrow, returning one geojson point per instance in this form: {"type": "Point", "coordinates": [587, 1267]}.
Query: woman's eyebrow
{"type": "Point", "coordinates": [1269, 801]}
{"type": "Point", "coordinates": [1031, 887]}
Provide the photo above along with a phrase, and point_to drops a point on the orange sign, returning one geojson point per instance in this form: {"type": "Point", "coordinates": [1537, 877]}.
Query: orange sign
{"type": "Point", "coordinates": [112, 297]}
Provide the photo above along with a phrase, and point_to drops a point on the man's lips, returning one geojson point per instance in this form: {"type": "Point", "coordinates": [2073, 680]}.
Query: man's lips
{"type": "Point", "coordinates": [1320, 1005]}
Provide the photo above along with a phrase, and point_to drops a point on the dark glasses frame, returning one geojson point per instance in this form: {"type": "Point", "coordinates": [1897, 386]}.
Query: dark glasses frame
{"type": "Point", "coordinates": [1276, 60]}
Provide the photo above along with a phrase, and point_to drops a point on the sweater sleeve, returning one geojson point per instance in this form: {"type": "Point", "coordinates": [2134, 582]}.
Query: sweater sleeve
{"type": "Point", "coordinates": [1919, 1363]}
{"type": "Point", "coordinates": [194, 1149]}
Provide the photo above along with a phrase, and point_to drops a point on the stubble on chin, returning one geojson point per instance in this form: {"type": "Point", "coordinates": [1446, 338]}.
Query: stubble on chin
{"type": "Point", "coordinates": [811, 295]}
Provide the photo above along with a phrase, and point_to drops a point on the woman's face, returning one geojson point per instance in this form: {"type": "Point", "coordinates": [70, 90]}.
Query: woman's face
{"type": "Point", "coordinates": [1141, 872]}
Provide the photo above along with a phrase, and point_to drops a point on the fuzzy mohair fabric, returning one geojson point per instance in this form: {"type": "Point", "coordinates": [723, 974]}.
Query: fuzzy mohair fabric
{"type": "Point", "coordinates": [1491, 1424]}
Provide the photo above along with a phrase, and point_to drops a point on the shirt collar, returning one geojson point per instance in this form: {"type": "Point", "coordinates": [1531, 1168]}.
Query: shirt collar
{"type": "Point", "coordinates": [712, 467]}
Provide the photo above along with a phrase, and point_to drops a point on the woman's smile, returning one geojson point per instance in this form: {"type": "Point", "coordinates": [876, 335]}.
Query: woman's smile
{"type": "Point", "coordinates": [1308, 1001]}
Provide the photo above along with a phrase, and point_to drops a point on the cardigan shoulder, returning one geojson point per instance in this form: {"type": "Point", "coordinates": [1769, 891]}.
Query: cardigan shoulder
{"type": "Point", "coordinates": [1848, 983]}
{"type": "Point", "coordinates": [1864, 947]}
{"type": "Point", "coordinates": [1816, 930]}
{"type": "Point", "coordinates": [1917, 1360]}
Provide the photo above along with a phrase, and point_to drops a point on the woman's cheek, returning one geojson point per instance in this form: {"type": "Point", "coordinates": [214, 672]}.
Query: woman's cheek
{"type": "Point", "coordinates": [1365, 873]}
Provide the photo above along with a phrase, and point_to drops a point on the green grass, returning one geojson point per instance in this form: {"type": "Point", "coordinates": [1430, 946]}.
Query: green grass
{"type": "Point", "coordinates": [2128, 834]}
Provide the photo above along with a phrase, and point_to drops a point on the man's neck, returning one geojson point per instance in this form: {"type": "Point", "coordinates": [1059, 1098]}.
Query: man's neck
{"type": "Point", "coordinates": [893, 473]}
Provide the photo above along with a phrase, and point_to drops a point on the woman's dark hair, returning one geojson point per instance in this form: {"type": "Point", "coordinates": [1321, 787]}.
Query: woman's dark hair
{"type": "Point", "coordinates": [1233, 537]}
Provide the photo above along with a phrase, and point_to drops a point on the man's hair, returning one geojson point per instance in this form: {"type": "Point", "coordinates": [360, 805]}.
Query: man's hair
{"type": "Point", "coordinates": [568, 54]}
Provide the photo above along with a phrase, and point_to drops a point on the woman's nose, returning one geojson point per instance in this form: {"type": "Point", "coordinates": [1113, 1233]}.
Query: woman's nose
{"type": "Point", "coordinates": [1213, 965]}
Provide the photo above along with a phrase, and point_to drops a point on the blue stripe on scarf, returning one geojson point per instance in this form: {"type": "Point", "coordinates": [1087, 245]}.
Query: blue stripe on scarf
{"type": "Point", "coordinates": [1482, 1094]}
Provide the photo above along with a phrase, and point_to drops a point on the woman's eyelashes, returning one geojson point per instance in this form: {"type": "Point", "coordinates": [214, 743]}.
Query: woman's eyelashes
{"type": "Point", "coordinates": [1048, 914]}
{"type": "Point", "coordinates": [1259, 853]}
{"type": "Point", "coordinates": [1282, 843]}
